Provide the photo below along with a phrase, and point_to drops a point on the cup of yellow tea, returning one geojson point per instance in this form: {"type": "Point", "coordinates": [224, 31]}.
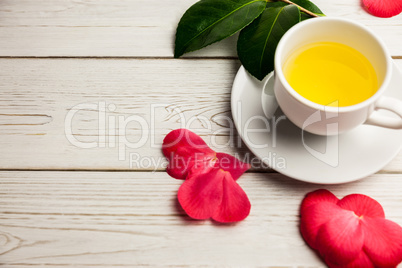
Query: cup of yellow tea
{"type": "Point", "coordinates": [334, 72]}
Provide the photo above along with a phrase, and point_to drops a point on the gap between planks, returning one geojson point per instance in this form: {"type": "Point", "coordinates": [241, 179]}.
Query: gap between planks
{"type": "Point", "coordinates": [268, 171]}
{"type": "Point", "coordinates": [120, 57]}
{"type": "Point", "coordinates": [132, 57]}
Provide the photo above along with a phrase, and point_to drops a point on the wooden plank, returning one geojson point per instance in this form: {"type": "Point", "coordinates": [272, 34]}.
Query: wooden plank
{"type": "Point", "coordinates": [37, 96]}
{"type": "Point", "coordinates": [132, 218]}
{"type": "Point", "coordinates": [136, 28]}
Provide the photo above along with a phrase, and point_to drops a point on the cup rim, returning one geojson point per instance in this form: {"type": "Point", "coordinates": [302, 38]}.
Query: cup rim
{"type": "Point", "coordinates": [316, 106]}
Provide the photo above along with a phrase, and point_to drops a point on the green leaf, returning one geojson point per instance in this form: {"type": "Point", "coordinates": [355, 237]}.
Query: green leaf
{"type": "Point", "coordinates": [310, 6]}
{"type": "Point", "coordinates": [209, 21]}
{"type": "Point", "coordinates": [257, 42]}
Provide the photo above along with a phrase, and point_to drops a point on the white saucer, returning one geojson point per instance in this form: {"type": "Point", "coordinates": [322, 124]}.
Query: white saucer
{"type": "Point", "coordinates": [328, 160]}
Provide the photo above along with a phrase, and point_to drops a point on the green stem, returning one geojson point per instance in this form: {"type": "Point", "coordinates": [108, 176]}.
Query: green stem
{"type": "Point", "coordinates": [301, 8]}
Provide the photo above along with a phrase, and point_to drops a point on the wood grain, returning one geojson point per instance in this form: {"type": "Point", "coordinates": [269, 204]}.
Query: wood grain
{"type": "Point", "coordinates": [116, 56]}
{"type": "Point", "coordinates": [140, 28]}
{"type": "Point", "coordinates": [132, 218]}
{"type": "Point", "coordinates": [37, 95]}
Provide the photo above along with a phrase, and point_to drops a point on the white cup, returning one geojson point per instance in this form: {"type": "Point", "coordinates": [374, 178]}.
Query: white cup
{"type": "Point", "coordinates": [316, 118]}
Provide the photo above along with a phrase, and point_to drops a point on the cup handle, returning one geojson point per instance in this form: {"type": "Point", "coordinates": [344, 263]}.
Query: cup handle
{"type": "Point", "coordinates": [390, 104]}
{"type": "Point", "coordinates": [268, 99]}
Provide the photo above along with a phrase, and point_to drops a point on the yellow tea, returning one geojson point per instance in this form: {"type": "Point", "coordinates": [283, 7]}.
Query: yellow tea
{"type": "Point", "coordinates": [330, 73]}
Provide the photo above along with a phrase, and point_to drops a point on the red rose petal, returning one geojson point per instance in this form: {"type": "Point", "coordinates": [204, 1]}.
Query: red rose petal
{"type": "Point", "coordinates": [318, 196]}
{"type": "Point", "coordinates": [383, 8]}
{"type": "Point", "coordinates": [361, 261]}
{"type": "Point", "coordinates": [213, 194]}
{"type": "Point", "coordinates": [209, 190]}
{"type": "Point", "coordinates": [340, 240]}
{"type": "Point", "coordinates": [184, 149]}
{"type": "Point", "coordinates": [317, 208]}
{"type": "Point", "coordinates": [312, 219]}
{"type": "Point", "coordinates": [350, 233]}
{"type": "Point", "coordinates": [232, 164]}
{"type": "Point", "coordinates": [235, 205]}
{"type": "Point", "coordinates": [382, 241]}
{"type": "Point", "coordinates": [362, 205]}
{"type": "Point", "coordinates": [201, 194]}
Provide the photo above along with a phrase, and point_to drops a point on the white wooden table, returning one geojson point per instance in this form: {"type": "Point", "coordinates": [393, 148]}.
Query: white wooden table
{"type": "Point", "coordinates": [69, 71]}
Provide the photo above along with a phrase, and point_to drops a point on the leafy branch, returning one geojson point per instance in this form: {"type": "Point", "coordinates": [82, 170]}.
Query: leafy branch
{"type": "Point", "coordinates": [261, 24]}
{"type": "Point", "coordinates": [301, 8]}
